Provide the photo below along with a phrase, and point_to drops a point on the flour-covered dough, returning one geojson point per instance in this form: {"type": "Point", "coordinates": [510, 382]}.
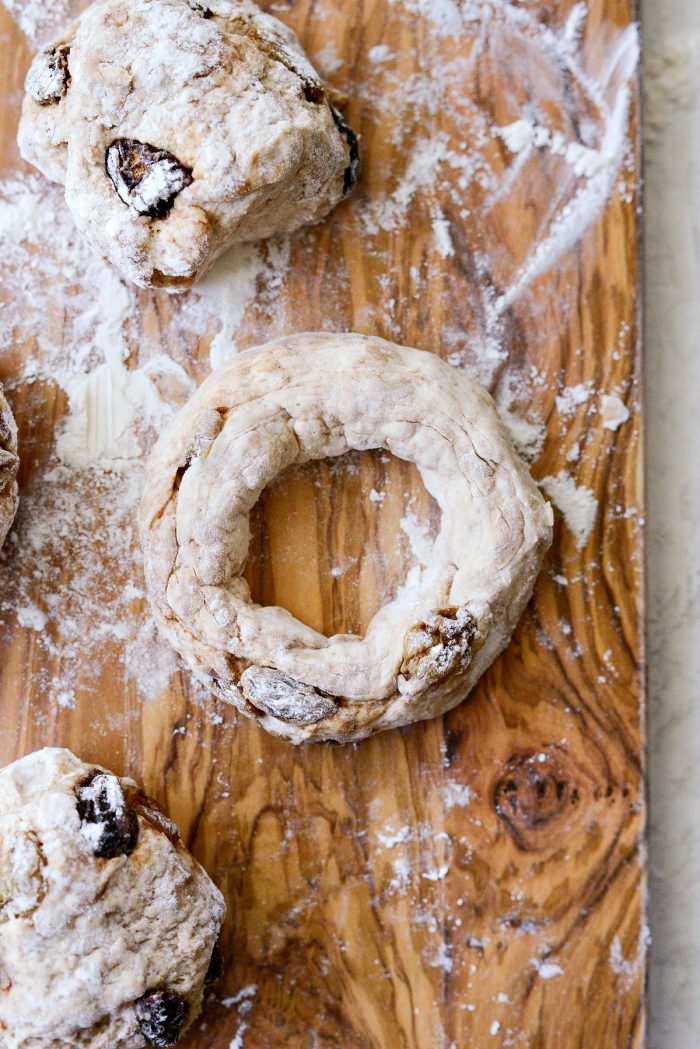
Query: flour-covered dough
{"type": "Point", "coordinates": [180, 128]}
{"type": "Point", "coordinates": [107, 923]}
{"type": "Point", "coordinates": [310, 397]}
{"type": "Point", "coordinates": [9, 464]}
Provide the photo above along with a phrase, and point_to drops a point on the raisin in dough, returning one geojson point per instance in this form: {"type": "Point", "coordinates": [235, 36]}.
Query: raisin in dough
{"type": "Point", "coordinates": [180, 128]}
{"type": "Point", "coordinates": [107, 923]}
{"type": "Point", "coordinates": [9, 464]}
{"type": "Point", "coordinates": [309, 397]}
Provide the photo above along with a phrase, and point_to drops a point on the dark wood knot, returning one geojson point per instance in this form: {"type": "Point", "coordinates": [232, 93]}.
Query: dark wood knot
{"type": "Point", "coordinates": [533, 795]}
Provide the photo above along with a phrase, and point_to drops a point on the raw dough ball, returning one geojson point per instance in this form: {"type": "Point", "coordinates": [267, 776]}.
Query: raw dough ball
{"type": "Point", "coordinates": [9, 464]}
{"type": "Point", "coordinates": [180, 128]}
{"type": "Point", "coordinates": [309, 397]}
{"type": "Point", "coordinates": [107, 923]}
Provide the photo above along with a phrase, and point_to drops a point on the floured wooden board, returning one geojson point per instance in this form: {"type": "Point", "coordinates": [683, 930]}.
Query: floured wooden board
{"type": "Point", "coordinates": [474, 881]}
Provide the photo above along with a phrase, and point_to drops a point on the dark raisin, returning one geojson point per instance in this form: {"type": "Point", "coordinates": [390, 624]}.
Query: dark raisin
{"type": "Point", "coordinates": [352, 171]}
{"type": "Point", "coordinates": [161, 1015]}
{"type": "Point", "coordinates": [108, 823]}
{"type": "Point", "coordinates": [282, 696]}
{"type": "Point", "coordinates": [200, 9]}
{"type": "Point", "coordinates": [439, 645]}
{"type": "Point", "coordinates": [146, 178]}
{"type": "Point", "coordinates": [314, 91]}
{"type": "Point", "coordinates": [48, 77]}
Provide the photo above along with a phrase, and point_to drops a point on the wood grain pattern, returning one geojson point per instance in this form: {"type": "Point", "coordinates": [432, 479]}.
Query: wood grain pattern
{"type": "Point", "coordinates": [405, 893]}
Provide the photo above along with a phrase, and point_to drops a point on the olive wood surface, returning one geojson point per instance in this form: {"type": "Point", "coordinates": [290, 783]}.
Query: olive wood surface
{"type": "Point", "coordinates": [374, 902]}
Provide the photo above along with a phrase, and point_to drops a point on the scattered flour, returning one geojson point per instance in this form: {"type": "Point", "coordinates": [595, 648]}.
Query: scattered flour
{"type": "Point", "coordinates": [389, 213]}
{"type": "Point", "coordinates": [514, 401]}
{"type": "Point", "coordinates": [442, 235]}
{"type": "Point", "coordinates": [442, 959]}
{"type": "Point", "coordinates": [98, 347]}
{"type": "Point", "coordinates": [39, 19]}
{"type": "Point", "coordinates": [577, 503]}
{"type": "Point", "coordinates": [613, 412]}
{"type": "Point", "coordinates": [438, 874]}
{"type": "Point", "coordinates": [584, 161]}
{"type": "Point", "coordinates": [244, 994]}
{"type": "Point", "coordinates": [111, 404]}
{"type": "Point", "coordinates": [445, 15]}
{"type": "Point", "coordinates": [547, 970]}
{"type": "Point", "coordinates": [403, 872]}
{"type": "Point", "coordinates": [626, 970]}
{"type": "Point", "coordinates": [237, 1042]}
{"type": "Point", "coordinates": [572, 398]}
{"type": "Point", "coordinates": [328, 61]}
{"type": "Point", "coordinates": [389, 841]}
{"type": "Point", "coordinates": [243, 1002]}
{"type": "Point", "coordinates": [418, 537]}
{"type": "Point", "coordinates": [31, 617]}
{"type": "Point", "coordinates": [228, 289]}
{"type": "Point", "coordinates": [65, 699]}
{"type": "Point", "coordinates": [380, 53]}
{"type": "Point", "coordinates": [527, 435]}
{"type": "Point", "coordinates": [600, 168]}
{"type": "Point", "coordinates": [457, 795]}
{"type": "Point", "coordinates": [21, 217]}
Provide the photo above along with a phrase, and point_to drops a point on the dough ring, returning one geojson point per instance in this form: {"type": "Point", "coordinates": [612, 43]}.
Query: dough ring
{"type": "Point", "coordinates": [9, 464]}
{"type": "Point", "coordinates": [310, 397]}
{"type": "Point", "coordinates": [179, 128]}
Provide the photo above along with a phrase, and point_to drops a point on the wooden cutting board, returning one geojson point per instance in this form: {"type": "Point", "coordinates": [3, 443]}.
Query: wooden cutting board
{"type": "Point", "coordinates": [477, 880]}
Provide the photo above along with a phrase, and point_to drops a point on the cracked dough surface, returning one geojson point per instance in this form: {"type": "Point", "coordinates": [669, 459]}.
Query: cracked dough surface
{"type": "Point", "coordinates": [310, 397]}
{"type": "Point", "coordinates": [230, 134]}
{"type": "Point", "coordinates": [9, 463]}
{"type": "Point", "coordinates": [83, 938]}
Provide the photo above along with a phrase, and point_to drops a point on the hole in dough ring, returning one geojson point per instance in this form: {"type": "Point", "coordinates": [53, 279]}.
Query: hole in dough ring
{"type": "Point", "coordinates": [310, 397]}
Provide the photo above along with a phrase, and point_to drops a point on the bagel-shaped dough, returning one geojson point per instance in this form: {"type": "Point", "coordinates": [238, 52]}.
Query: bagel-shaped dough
{"type": "Point", "coordinates": [310, 397]}
{"type": "Point", "coordinates": [9, 463]}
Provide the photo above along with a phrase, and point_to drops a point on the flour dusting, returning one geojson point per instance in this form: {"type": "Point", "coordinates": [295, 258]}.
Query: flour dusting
{"type": "Point", "coordinates": [228, 289]}
{"type": "Point", "coordinates": [527, 430]}
{"type": "Point", "coordinates": [418, 537]}
{"type": "Point", "coordinates": [97, 346]}
{"type": "Point", "coordinates": [613, 411]}
{"type": "Point", "coordinates": [243, 1003]}
{"type": "Point", "coordinates": [113, 364]}
{"type": "Point", "coordinates": [577, 503]}
{"type": "Point", "coordinates": [39, 19]}
{"type": "Point", "coordinates": [572, 397]}
{"type": "Point", "coordinates": [547, 970]}
{"type": "Point", "coordinates": [109, 405]}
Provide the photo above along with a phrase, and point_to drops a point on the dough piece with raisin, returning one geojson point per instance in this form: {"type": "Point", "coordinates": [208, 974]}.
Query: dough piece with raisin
{"type": "Point", "coordinates": [9, 464]}
{"type": "Point", "coordinates": [107, 923]}
{"type": "Point", "coordinates": [180, 128]}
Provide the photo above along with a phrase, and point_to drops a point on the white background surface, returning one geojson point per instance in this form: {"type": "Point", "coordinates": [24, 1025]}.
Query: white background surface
{"type": "Point", "coordinates": [672, 254]}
